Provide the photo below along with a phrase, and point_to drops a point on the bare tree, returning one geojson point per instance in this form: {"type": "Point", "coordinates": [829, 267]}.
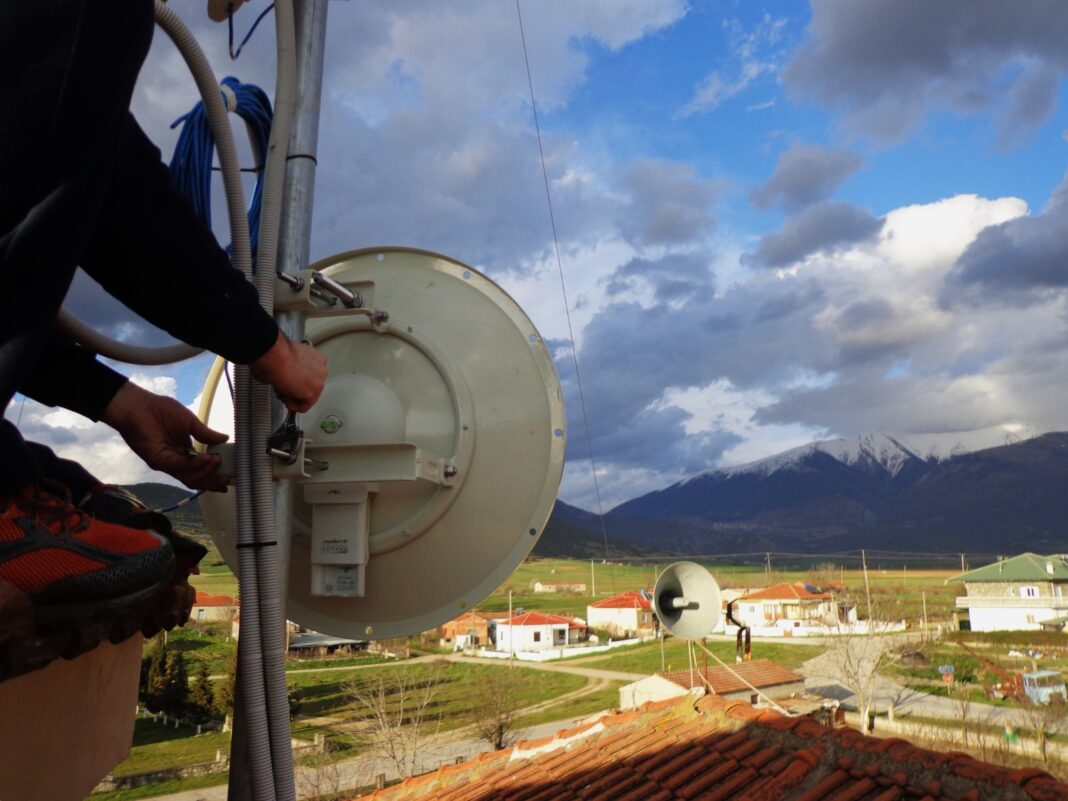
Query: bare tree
{"type": "Point", "coordinates": [961, 693]}
{"type": "Point", "coordinates": [859, 657]}
{"type": "Point", "coordinates": [397, 706]}
{"type": "Point", "coordinates": [319, 778]}
{"type": "Point", "coordinates": [1045, 720]}
{"type": "Point", "coordinates": [496, 707]}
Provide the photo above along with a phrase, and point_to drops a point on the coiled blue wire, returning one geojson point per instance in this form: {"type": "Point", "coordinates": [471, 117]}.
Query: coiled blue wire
{"type": "Point", "coordinates": [191, 162]}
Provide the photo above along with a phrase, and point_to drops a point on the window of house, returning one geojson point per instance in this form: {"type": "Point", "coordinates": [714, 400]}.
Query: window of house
{"type": "Point", "coordinates": [1030, 618]}
{"type": "Point", "coordinates": [200, 614]}
{"type": "Point", "coordinates": [1028, 592]}
{"type": "Point", "coordinates": [537, 636]}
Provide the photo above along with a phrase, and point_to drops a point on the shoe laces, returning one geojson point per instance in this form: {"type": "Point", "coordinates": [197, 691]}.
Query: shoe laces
{"type": "Point", "coordinates": [49, 503]}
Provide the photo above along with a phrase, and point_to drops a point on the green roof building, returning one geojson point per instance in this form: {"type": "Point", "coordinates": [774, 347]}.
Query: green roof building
{"type": "Point", "coordinates": [1029, 591]}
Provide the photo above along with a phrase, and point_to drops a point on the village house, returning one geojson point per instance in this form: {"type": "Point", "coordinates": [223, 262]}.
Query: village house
{"type": "Point", "coordinates": [773, 680]}
{"type": "Point", "coordinates": [560, 586]}
{"type": "Point", "coordinates": [628, 614]}
{"type": "Point", "coordinates": [538, 631]}
{"type": "Point", "coordinates": [469, 629]}
{"type": "Point", "coordinates": [208, 608]}
{"type": "Point", "coordinates": [790, 606]}
{"type": "Point", "coordinates": [1024, 592]}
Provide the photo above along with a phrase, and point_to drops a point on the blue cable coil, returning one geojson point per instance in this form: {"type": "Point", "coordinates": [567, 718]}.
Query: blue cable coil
{"type": "Point", "coordinates": [191, 163]}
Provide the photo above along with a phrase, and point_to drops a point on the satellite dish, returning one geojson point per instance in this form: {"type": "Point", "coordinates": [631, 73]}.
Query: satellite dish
{"type": "Point", "coordinates": [686, 599]}
{"type": "Point", "coordinates": [441, 429]}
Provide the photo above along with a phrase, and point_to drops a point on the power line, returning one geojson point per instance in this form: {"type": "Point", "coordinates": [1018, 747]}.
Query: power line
{"type": "Point", "coordinates": [563, 287]}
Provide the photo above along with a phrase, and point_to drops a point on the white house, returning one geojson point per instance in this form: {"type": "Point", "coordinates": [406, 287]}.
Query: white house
{"type": "Point", "coordinates": [208, 608]}
{"type": "Point", "coordinates": [791, 606]}
{"type": "Point", "coordinates": [732, 682]}
{"type": "Point", "coordinates": [626, 614]}
{"type": "Point", "coordinates": [538, 631]}
{"type": "Point", "coordinates": [1028, 591]}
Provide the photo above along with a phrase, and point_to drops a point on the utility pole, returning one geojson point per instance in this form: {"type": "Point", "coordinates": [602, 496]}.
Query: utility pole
{"type": "Point", "coordinates": [962, 568]}
{"type": "Point", "coordinates": [511, 633]}
{"type": "Point", "coordinates": [767, 568]}
{"type": "Point", "coordinates": [593, 581]}
{"type": "Point", "coordinates": [867, 587]}
{"type": "Point", "coordinates": [923, 597]}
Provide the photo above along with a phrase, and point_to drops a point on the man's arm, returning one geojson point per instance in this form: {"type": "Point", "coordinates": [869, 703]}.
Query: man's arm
{"type": "Point", "coordinates": [151, 252]}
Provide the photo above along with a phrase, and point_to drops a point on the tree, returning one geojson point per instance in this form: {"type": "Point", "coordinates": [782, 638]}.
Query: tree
{"type": "Point", "coordinates": [224, 690]}
{"type": "Point", "coordinates": [1045, 720]}
{"type": "Point", "coordinates": [397, 708]}
{"type": "Point", "coordinates": [201, 700]}
{"type": "Point", "coordinates": [857, 659]}
{"type": "Point", "coordinates": [174, 686]}
{"type": "Point", "coordinates": [152, 674]}
{"type": "Point", "coordinates": [496, 707]}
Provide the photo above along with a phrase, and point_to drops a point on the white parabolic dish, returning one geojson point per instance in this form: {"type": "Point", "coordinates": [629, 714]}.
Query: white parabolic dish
{"type": "Point", "coordinates": [462, 376]}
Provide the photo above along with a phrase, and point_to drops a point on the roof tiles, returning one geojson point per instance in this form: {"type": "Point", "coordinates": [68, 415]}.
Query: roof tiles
{"type": "Point", "coordinates": [717, 750]}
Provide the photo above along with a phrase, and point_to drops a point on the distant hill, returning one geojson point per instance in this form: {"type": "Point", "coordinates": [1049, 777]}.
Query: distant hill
{"type": "Point", "coordinates": [869, 492]}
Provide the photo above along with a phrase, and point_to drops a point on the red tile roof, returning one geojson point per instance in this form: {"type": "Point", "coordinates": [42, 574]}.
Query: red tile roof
{"type": "Point", "coordinates": [759, 673]}
{"type": "Point", "coordinates": [720, 750]}
{"type": "Point", "coordinates": [787, 592]}
{"type": "Point", "coordinates": [207, 599]}
{"type": "Point", "coordinates": [538, 619]}
{"type": "Point", "coordinates": [625, 600]}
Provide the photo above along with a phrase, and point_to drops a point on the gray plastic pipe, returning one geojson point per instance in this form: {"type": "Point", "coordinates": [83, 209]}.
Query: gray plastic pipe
{"type": "Point", "coordinates": [271, 617]}
{"type": "Point", "coordinates": [205, 80]}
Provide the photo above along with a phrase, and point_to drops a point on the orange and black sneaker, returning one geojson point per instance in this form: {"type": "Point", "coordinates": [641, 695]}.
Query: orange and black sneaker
{"type": "Point", "coordinates": [74, 568]}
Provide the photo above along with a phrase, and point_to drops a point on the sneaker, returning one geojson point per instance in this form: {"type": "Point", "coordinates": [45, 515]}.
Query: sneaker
{"type": "Point", "coordinates": [74, 568]}
{"type": "Point", "coordinates": [118, 505]}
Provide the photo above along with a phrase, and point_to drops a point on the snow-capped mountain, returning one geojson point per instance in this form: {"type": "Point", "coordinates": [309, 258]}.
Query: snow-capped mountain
{"type": "Point", "coordinates": [867, 451]}
{"type": "Point", "coordinates": [865, 491]}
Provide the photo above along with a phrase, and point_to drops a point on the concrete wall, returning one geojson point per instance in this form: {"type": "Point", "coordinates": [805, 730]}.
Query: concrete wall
{"type": "Point", "coordinates": [1009, 619]}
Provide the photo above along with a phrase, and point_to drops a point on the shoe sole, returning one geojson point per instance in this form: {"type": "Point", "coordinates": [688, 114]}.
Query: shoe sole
{"type": "Point", "coordinates": [65, 631]}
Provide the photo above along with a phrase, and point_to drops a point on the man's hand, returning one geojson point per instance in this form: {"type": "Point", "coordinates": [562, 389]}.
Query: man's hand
{"type": "Point", "coordinates": [161, 431]}
{"type": "Point", "coordinates": [296, 370]}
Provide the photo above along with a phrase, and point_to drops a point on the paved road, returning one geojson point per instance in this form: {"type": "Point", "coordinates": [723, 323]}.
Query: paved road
{"type": "Point", "coordinates": [555, 667]}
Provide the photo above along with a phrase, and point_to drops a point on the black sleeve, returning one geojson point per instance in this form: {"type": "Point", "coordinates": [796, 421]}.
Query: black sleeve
{"type": "Point", "coordinates": [151, 252]}
{"type": "Point", "coordinates": [68, 375]}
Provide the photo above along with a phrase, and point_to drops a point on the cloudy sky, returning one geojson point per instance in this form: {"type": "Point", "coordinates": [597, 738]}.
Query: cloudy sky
{"type": "Point", "coordinates": [778, 222]}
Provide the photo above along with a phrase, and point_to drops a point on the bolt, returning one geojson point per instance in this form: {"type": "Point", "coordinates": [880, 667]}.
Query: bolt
{"type": "Point", "coordinates": [450, 471]}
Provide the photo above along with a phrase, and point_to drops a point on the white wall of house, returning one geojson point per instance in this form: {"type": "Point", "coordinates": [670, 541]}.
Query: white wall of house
{"type": "Point", "coordinates": [651, 688]}
{"type": "Point", "coordinates": [531, 638]}
{"type": "Point", "coordinates": [1010, 619]}
{"type": "Point", "coordinates": [619, 621]}
{"type": "Point", "coordinates": [769, 611]}
{"type": "Point", "coordinates": [213, 614]}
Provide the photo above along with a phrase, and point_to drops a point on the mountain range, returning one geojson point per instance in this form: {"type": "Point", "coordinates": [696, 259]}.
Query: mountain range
{"type": "Point", "coordinates": [871, 491]}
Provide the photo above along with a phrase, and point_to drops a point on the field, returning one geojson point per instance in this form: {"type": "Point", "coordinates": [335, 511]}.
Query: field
{"type": "Point", "coordinates": [647, 658]}
{"type": "Point", "coordinates": [896, 593]}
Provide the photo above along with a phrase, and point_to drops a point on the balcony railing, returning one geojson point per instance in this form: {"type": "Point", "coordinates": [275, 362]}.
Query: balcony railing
{"type": "Point", "coordinates": [987, 602]}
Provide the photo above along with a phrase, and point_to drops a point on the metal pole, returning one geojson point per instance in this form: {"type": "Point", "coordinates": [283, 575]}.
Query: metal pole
{"type": "Point", "coordinates": [511, 633]}
{"type": "Point", "coordinates": [294, 248]}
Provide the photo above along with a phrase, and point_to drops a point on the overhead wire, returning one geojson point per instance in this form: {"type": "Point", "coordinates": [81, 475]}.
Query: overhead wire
{"type": "Point", "coordinates": [563, 290]}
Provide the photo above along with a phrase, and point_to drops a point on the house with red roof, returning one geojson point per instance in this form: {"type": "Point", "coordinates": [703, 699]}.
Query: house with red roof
{"type": "Point", "coordinates": [210, 608]}
{"type": "Point", "coordinates": [470, 628]}
{"type": "Point", "coordinates": [628, 614]}
{"type": "Point", "coordinates": [720, 750]}
{"type": "Point", "coordinates": [727, 681]}
{"type": "Point", "coordinates": [791, 606]}
{"type": "Point", "coordinates": [538, 631]}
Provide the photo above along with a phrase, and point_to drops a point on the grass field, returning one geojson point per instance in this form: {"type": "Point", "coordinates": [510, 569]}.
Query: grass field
{"type": "Point", "coordinates": [896, 593]}
{"type": "Point", "coordinates": [157, 747]}
{"type": "Point", "coordinates": [646, 658]}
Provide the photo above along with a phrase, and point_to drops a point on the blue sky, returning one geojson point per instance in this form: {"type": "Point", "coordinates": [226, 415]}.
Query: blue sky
{"type": "Point", "coordinates": [779, 222]}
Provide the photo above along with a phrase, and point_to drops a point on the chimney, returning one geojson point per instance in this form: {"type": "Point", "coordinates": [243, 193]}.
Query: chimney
{"type": "Point", "coordinates": [1049, 566]}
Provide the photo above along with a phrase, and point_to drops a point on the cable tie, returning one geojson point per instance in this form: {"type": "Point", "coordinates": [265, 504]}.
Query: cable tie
{"type": "Point", "coordinates": [257, 544]}
{"type": "Point", "coordinates": [308, 156]}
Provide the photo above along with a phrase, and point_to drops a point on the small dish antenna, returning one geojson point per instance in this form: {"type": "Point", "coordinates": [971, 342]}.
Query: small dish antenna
{"type": "Point", "coordinates": [686, 599]}
{"type": "Point", "coordinates": [432, 459]}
